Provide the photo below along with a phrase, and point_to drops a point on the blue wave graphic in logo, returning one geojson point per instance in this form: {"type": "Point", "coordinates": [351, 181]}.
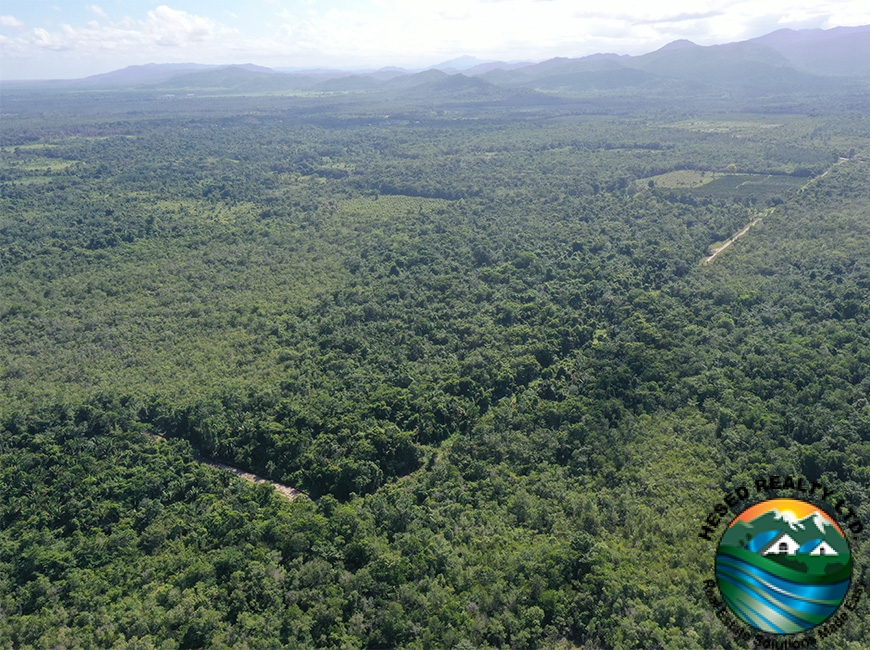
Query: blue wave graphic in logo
{"type": "Point", "coordinates": [772, 603]}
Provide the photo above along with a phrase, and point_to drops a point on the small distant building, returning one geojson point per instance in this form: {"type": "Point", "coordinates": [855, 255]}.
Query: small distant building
{"type": "Point", "coordinates": [823, 549]}
{"type": "Point", "coordinates": [782, 544]}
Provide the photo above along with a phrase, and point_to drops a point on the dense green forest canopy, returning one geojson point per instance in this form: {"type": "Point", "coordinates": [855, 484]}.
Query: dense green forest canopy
{"type": "Point", "coordinates": [474, 325]}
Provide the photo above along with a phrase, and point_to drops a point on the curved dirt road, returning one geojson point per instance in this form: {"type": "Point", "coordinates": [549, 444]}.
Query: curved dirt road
{"type": "Point", "coordinates": [284, 490]}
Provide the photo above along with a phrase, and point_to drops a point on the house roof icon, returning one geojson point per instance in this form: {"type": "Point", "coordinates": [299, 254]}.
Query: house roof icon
{"type": "Point", "coordinates": [823, 549]}
{"type": "Point", "coordinates": [782, 544]}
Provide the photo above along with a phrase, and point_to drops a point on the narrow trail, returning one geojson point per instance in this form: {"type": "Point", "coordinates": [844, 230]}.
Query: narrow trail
{"type": "Point", "coordinates": [733, 239]}
{"type": "Point", "coordinates": [740, 234]}
{"type": "Point", "coordinates": [284, 490]}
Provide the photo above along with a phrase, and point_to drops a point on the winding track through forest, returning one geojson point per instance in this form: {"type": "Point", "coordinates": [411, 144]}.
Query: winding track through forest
{"type": "Point", "coordinates": [745, 230]}
{"type": "Point", "coordinates": [284, 490]}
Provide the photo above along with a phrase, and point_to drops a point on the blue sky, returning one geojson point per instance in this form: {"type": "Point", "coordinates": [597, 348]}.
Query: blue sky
{"type": "Point", "coordinates": [48, 39]}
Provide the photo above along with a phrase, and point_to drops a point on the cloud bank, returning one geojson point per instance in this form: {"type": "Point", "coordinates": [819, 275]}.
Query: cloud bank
{"type": "Point", "coordinates": [373, 33]}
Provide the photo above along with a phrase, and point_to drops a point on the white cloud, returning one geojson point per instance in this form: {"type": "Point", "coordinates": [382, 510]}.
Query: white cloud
{"type": "Point", "coordinates": [173, 28]}
{"type": "Point", "coordinates": [371, 33]}
{"type": "Point", "coordinates": [163, 27]}
{"type": "Point", "coordinates": [42, 38]}
{"type": "Point", "coordinates": [382, 32]}
{"type": "Point", "coordinates": [11, 21]}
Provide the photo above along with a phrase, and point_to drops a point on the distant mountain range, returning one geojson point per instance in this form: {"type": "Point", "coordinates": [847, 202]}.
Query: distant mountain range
{"type": "Point", "coordinates": [766, 527]}
{"type": "Point", "coordinates": [838, 51]}
{"type": "Point", "coordinates": [782, 62]}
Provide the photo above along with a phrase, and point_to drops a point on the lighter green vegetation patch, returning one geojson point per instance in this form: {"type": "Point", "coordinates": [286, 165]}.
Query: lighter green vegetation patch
{"type": "Point", "coordinates": [27, 147]}
{"type": "Point", "coordinates": [736, 127]}
{"type": "Point", "coordinates": [683, 178]}
{"type": "Point", "coordinates": [39, 164]}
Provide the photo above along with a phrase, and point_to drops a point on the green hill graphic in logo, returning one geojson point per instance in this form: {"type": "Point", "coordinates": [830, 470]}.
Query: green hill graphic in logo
{"type": "Point", "coordinates": [783, 566]}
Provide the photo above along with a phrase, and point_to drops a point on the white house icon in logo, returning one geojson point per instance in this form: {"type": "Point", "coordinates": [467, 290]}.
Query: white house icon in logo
{"type": "Point", "coordinates": [823, 549]}
{"type": "Point", "coordinates": [783, 544]}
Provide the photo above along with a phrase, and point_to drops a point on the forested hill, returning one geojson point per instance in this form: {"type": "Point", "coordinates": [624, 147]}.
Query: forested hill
{"type": "Point", "coordinates": [477, 329]}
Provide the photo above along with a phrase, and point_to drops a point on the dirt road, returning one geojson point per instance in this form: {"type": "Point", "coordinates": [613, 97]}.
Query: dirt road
{"type": "Point", "coordinates": [740, 234]}
{"type": "Point", "coordinates": [284, 490]}
{"type": "Point", "coordinates": [731, 241]}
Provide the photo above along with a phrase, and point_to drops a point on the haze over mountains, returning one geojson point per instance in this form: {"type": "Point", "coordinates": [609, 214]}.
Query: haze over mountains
{"type": "Point", "coordinates": [780, 62]}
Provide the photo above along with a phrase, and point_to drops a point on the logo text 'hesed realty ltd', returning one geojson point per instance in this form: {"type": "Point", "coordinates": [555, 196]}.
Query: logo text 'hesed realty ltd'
{"type": "Point", "coordinates": [783, 565]}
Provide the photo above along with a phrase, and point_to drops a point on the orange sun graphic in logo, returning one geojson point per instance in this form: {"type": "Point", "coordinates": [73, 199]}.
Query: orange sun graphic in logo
{"type": "Point", "coordinates": [789, 509]}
